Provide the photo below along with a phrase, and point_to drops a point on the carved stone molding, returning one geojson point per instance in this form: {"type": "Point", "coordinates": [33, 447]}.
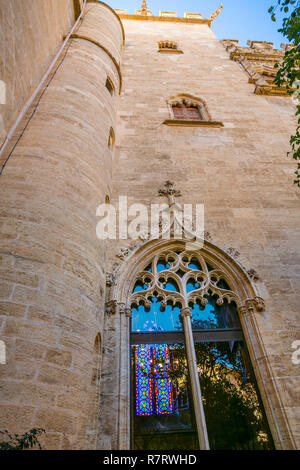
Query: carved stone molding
{"type": "Point", "coordinates": [207, 236]}
{"type": "Point", "coordinates": [258, 61]}
{"type": "Point", "coordinates": [233, 252]}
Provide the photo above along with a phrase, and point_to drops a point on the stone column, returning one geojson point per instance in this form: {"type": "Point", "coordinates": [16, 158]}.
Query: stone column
{"type": "Point", "coordinates": [281, 433]}
{"type": "Point", "coordinates": [124, 379]}
{"type": "Point", "coordinates": [194, 377]}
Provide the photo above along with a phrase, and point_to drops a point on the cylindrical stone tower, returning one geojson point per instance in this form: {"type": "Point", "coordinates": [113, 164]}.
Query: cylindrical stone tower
{"type": "Point", "coordinates": [52, 263]}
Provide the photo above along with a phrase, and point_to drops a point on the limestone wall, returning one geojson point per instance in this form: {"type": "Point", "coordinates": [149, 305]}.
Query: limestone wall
{"type": "Point", "coordinates": [30, 34]}
{"type": "Point", "coordinates": [52, 264]}
{"type": "Point", "coordinates": [239, 172]}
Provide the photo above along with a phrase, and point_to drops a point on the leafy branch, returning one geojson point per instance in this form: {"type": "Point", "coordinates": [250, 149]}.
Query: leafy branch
{"type": "Point", "coordinates": [20, 442]}
{"type": "Point", "coordinates": [288, 73]}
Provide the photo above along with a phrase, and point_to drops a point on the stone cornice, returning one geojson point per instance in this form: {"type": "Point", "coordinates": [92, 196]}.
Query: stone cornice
{"type": "Point", "coordinates": [170, 19]}
{"type": "Point", "coordinates": [256, 56]}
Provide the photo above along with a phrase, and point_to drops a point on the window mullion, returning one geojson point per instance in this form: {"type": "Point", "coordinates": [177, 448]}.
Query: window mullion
{"type": "Point", "coordinates": [195, 383]}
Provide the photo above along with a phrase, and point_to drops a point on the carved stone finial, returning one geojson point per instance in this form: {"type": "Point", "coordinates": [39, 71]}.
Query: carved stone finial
{"type": "Point", "coordinates": [216, 13]}
{"type": "Point", "coordinates": [144, 8]}
{"type": "Point", "coordinates": [170, 192]}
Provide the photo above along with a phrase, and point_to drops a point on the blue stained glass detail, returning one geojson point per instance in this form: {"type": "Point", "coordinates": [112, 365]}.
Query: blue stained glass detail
{"type": "Point", "coordinates": [192, 285]}
{"type": "Point", "coordinates": [155, 319]}
{"type": "Point", "coordinates": [171, 285]}
{"type": "Point", "coordinates": [162, 266]}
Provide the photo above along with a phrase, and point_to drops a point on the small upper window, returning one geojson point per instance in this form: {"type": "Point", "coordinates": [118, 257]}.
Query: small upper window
{"type": "Point", "coordinates": [169, 46]}
{"type": "Point", "coordinates": [109, 85]}
{"type": "Point", "coordinates": [187, 110]}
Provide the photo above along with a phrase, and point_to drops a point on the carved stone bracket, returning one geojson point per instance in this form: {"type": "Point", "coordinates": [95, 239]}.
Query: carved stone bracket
{"type": "Point", "coordinates": [110, 307]}
{"type": "Point", "coordinates": [255, 304]}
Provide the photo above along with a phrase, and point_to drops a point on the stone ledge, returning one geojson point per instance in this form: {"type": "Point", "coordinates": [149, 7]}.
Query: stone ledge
{"type": "Point", "coordinates": [170, 51]}
{"type": "Point", "coordinates": [192, 123]}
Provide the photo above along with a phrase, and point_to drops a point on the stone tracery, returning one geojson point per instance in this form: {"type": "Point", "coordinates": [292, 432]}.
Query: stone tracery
{"type": "Point", "coordinates": [182, 268]}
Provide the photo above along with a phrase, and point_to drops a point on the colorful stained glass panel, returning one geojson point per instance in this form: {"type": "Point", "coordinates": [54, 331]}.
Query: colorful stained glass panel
{"type": "Point", "coordinates": [143, 382]}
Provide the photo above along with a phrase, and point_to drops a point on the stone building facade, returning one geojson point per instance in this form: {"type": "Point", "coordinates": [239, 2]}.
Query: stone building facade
{"type": "Point", "coordinates": [89, 116]}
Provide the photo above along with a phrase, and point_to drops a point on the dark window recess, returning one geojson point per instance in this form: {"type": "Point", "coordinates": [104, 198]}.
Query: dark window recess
{"type": "Point", "coordinates": [109, 86]}
{"type": "Point", "coordinates": [188, 113]}
{"type": "Point", "coordinates": [76, 8]}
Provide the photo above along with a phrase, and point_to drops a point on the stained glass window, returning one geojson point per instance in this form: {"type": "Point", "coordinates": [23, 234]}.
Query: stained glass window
{"type": "Point", "coordinates": [162, 399]}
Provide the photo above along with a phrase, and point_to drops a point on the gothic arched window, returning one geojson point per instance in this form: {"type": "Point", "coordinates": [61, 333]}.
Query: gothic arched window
{"type": "Point", "coordinates": [187, 110]}
{"type": "Point", "coordinates": [192, 379]}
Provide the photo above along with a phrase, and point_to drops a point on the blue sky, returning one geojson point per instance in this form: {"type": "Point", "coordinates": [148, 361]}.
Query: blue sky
{"type": "Point", "coordinates": [239, 19]}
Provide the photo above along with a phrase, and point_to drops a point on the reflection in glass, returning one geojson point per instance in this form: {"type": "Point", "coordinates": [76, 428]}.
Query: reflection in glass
{"type": "Point", "coordinates": [162, 410]}
{"type": "Point", "coordinates": [156, 319]}
{"type": "Point", "coordinates": [233, 410]}
{"type": "Point", "coordinates": [215, 316]}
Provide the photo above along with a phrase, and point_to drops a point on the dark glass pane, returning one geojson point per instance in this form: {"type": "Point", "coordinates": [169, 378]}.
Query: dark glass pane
{"type": "Point", "coordinates": [156, 319]}
{"type": "Point", "coordinates": [215, 316]}
{"type": "Point", "coordinates": [149, 268]}
{"type": "Point", "coordinates": [233, 410]}
{"type": "Point", "coordinates": [161, 408]}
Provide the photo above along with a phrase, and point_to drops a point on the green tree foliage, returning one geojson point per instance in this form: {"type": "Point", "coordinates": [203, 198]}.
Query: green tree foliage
{"type": "Point", "coordinates": [20, 442]}
{"type": "Point", "coordinates": [234, 416]}
{"type": "Point", "coordinates": [289, 69]}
